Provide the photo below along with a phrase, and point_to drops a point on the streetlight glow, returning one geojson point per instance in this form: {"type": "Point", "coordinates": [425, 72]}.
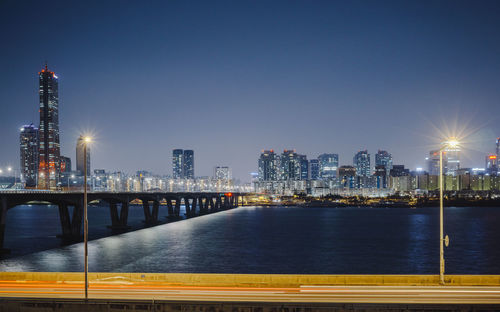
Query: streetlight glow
{"type": "Point", "coordinates": [87, 139]}
{"type": "Point", "coordinates": [452, 143]}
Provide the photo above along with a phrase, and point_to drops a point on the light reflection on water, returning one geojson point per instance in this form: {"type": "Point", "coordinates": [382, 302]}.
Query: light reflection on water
{"type": "Point", "coordinates": [292, 240]}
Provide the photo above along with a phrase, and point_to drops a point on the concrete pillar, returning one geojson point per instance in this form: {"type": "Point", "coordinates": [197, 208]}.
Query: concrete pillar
{"type": "Point", "coordinates": [188, 207]}
{"type": "Point", "coordinates": [177, 211]}
{"type": "Point", "coordinates": [65, 220]}
{"type": "Point", "coordinates": [124, 214]}
{"type": "Point", "coordinates": [76, 220]}
{"type": "Point", "coordinates": [218, 203]}
{"type": "Point", "coordinates": [193, 206]}
{"type": "Point", "coordinates": [170, 207]}
{"type": "Point", "coordinates": [147, 212]}
{"type": "Point", "coordinates": [156, 208]}
{"type": "Point", "coordinates": [115, 220]}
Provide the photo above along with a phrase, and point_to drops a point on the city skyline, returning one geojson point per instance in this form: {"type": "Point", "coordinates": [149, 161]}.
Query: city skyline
{"type": "Point", "coordinates": [225, 97]}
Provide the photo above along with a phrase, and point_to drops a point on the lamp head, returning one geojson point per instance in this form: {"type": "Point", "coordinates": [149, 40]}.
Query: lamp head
{"type": "Point", "coordinates": [87, 139]}
{"type": "Point", "coordinates": [452, 143]}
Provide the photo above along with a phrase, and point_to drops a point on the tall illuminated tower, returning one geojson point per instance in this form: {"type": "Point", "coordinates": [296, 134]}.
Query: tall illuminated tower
{"type": "Point", "coordinates": [49, 148]}
{"type": "Point", "coordinates": [28, 139]}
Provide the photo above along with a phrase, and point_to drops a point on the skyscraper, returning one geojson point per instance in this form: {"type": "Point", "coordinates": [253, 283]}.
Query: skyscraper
{"type": "Point", "coordinates": [80, 156]}
{"type": "Point", "coordinates": [188, 165]}
{"type": "Point", "coordinates": [491, 164]}
{"type": "Point", "coordinates": [28, 140]}
{"type": "Point", "coordinates": [452, 155]}
{"type": "Point", "coordinates": [304, 167]}
{"type": "Point", "coordinates": [49, 147]}
{"type": "Point", "coordinates": [290, 165]}
{"type": "Point", "coordinates": [268, 166]}
{"type": "Point", "coordinates": [361, 162]}
{"type": "Point", "coordinates": [498, 148]}
{"type": "Point", "coordinates": [433, 162]}
{"type": "Point", "coordinates": [177, 164]}
{"type": "Point", "coordinates": [183, 164]}
{"type": "Point", "coordinates": [383, 158]}
{"type": "Point", "coordinates": [314, 169]}
{"type": "Point", "coordinates": [328, 164]}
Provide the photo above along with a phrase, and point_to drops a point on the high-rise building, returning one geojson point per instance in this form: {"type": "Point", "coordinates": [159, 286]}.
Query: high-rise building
{"type": "Point", "coordinates": [304, 167]}
{"type": "Point", "coordinates": [433, 162]}
{"type": "Point", "coordinates": [361, 162]}
{"type": "Point", "coordinates": [28, 140]}
{"type": "Point", "coordinates": [314, 169]}
{"type": "Point", "coordinates": [65, 164]}
{"type": "Point", "coordinates": [491, 164]}
{"type": "Point", "coordinates": [399, 171]}
{"type": "Point", "coordinates": [178, 164]}
{"type": "Point", "coordinates": [346, 176]}
{"type": "Point", "coordinates": [290, 165]}
{"type": "Point", "coordinates": [383, 158]}
{"type": "Point", "coordinates": [183, 164]}
{"type": "Point", "coordinates": [222, 173]}
{"type": "Point", "coordinates": [268, 166]}
{"type": "Point", "coordinates": [188, 165]}
{"type": "Point", "coordinates": [498, 148]}
{"type": "Point", "coordinates": [452, 155]}
{"type": "Point", "coordinates": [328, 164]}
{"type": "Point", "coordinates": [49, 147]}
{"type": "Point", "coordinates": [80, 144]}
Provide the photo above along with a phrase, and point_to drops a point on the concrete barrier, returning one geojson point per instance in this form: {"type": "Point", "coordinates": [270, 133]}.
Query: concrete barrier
{"type": "Point", "coordinates": [250, 280]}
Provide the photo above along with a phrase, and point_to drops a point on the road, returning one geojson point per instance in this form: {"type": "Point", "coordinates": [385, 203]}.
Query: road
{"type": "Point", "coordinates": [316, 294]}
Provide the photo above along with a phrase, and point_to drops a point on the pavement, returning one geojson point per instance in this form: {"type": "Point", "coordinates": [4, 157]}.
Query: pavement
{"type": "Point", "coordinates": [302, 294]}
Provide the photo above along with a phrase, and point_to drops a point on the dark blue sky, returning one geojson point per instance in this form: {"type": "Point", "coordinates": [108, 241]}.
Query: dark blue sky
{"type": "Point", "coordinates": [230, 78]}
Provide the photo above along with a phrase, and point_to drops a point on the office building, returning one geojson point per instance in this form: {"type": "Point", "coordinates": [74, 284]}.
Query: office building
{"type": "Point", "coordinates": [80, 157]}
{"type": "Point", "coordinates": [28, 140]}
{"type": "Point", "coordinates": [178, 164]}
{"type": "Point", "coordinates": [183, 164]}
{"type": "Point", "coordinates": [347, 176]}
{"type": "Point", "coordinates": [399, 171]}
{"type": "Point", "coordinates": [361, 162]}
{"type": "Point", "coordinates": [498, 148]}
{"type": "Point", "coordinates": [222, 173]}
{"type": "Point", "coordinates": [452, 155]}
{"type": "Point", "coordinates": [328, 164]}
{"type": "Point", "coordinates": [314, 169]}
{"type": "Point", "coordinates": [304, 167]}
{"type": "Point", "coordinates": [290, 165]}
{"type": "Point", "coordinates": [491, 164]}
{"type": "Point", "coordinates": [49, 146]}
{"type": "Point", "coordinates": [65, 164]}
{"type": "Point", "coordinates": [268, 166]}
{"type": "Point", "coordinates": [188, 164]}
{"type": "Point", "coordinates": [383, 158]}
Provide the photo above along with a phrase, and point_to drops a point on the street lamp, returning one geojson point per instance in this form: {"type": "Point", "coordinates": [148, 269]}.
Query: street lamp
{"type": "Point", "coordinates": [451, 143]}
{"type": "Point", "coordinates": [86, 141]}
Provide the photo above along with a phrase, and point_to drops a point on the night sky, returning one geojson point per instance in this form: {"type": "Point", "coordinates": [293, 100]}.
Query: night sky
{"type": "Point", "coordinates": [230, 78]}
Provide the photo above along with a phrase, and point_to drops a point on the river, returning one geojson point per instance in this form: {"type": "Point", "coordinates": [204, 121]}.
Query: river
{"type": "Point", "coordinates": [266, 240]}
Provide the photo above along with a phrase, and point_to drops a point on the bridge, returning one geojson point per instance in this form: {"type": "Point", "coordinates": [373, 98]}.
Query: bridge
{"type": "Point", "coordinates": [196, 204]}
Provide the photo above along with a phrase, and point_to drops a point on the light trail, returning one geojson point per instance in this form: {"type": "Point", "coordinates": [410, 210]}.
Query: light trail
{"type": "Point", "coordinates": [303, 294]}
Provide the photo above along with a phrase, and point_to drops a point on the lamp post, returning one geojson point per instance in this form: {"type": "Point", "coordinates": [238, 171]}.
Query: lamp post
{"type": "Point", "coordinates": [86, 141]}
{"type": "Point", "coordinates": [452, 143]}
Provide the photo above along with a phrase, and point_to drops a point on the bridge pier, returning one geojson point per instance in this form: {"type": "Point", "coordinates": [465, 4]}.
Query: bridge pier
{"type": "Point", "coordinates": [71, 227]}
{"type": "Point", "coordinates": [218, 203]}
{"type": "Point", "coordinates": [118, 222]}
{"type": "Point", "coordinates": [190, 203]}
{"type": "Point", "coordinates": [151, 217]}
{"type": "Point", "coordinates": [174, 209]}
